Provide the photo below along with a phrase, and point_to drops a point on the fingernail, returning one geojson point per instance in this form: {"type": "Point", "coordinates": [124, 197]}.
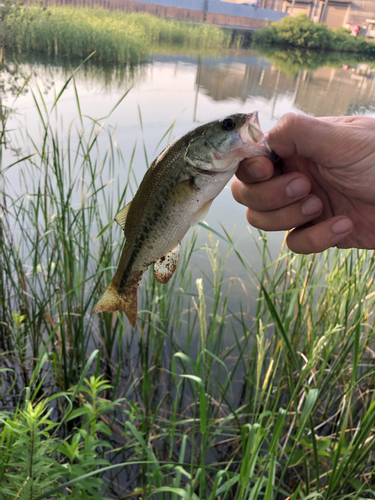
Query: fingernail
{"type": "Point", "coordinates": [311, 206]}
{"type": "Point", "coordinates": [298, 187]}
{"type": "Point", "coordinates": [342, 226]}
{"type": "Point", "coordinates": [255, 170]}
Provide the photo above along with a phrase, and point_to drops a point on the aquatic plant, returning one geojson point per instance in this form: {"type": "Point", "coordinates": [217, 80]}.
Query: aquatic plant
{"type": "Point", "coordinates": [215, 403]}
{"type": "Point", "coordinates": [113, 36]}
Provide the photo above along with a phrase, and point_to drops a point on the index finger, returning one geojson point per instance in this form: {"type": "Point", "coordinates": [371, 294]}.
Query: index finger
{"type": "Point", "coordinates": [319, 139]}
{"type": "Point", "coordinates": [257, 169]}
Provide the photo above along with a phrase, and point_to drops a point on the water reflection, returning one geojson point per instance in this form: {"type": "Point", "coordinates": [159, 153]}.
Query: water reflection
{"type": "Point", "coordinates": [16, 68]}
{"type": "Point", "coordinates": [323, 92]}
{"type": "Point", "coordinates": [190, 90]}
{"type": "Point", "coordinates": [328, 92]}
{"type": "Point", "coordinates": [346, 88]}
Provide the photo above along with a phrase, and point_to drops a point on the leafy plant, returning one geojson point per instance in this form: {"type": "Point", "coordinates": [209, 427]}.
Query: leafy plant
{"type": "Point", "coordinates": [34, 459]}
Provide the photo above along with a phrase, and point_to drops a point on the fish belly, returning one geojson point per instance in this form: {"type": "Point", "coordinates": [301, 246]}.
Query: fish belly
{"type": "Point", "coordinates": [179, 216]}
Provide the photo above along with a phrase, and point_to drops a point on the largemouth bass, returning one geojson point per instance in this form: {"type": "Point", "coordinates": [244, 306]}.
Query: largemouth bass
{"type": "Point", "coordinates": [176, 193]}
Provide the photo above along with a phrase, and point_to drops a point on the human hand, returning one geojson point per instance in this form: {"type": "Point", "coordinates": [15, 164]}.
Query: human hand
{"type": "Point", "coordinates": [323, 186]}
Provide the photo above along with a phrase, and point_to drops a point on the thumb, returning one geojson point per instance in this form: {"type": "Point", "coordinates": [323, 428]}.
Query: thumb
{"type": "Point", "coordinates": [312, 138]}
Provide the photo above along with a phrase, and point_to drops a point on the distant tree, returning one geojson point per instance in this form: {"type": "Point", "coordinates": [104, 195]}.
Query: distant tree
{"type": "Point", "coordinates": [300, 31]}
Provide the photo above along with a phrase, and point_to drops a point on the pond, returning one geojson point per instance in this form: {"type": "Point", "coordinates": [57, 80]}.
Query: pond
{"type": "Point", "coordinates": [241, 360]}
{"type": "Point", "coordinates": [177, 89]}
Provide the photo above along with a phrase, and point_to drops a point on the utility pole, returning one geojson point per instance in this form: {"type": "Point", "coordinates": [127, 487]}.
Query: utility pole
{"type": "Point", "coordinates": [312, 10]}
{"type": "Point", "coordinates": [324, 12]}
{"type": "Point", "coordinates": [205, 10]}
{"type": "Point", "coordinates": [199, 65]}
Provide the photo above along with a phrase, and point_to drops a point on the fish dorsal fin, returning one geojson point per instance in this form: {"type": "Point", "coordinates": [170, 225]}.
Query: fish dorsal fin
{"type": "Point", "coordinates": [201, 214]}
{"type": "Point", "coordinates": [121, 216]}
{"type": "Point", "coordinates": [166, 266]}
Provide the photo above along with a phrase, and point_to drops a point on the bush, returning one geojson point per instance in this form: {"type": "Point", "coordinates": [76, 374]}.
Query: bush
{"type": "Point", "coordinates": [303, 32]}
{"type": "Point", "coordinates": [300, 31]}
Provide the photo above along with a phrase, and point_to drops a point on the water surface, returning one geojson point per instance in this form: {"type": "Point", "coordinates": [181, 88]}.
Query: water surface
{"type": "Point", "coordinates": [181, 89]}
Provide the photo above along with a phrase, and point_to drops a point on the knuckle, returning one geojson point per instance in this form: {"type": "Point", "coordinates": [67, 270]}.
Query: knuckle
{"type": "Point", "coordinates": [254, 219]}
{"type": "Point", "coordinates": [284, 221]}
{"type": "Point", "coordinates": [310, 242]}
{"type": "Point", "coordinates": [235, 190]}
{"type": "Point", "coordinates": [301, 241]}
{"type": "Point", "coordinates": [288, 120]}
{"type": "Point", "coordinates": [265, 201]}
{"type": "Point", "coordinates": [294, 121]}
{"type": "Point", "coordinates": [240, 192]}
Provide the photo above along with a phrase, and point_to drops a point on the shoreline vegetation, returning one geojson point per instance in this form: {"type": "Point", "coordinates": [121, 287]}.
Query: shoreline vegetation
{"type": "Point", "coordinates": [301, 32]}
{"type": "Point", "coordinates": [201, 401]}
{"type": "Point", "coordinates": [112, 36]}
{"type": "Point", "coordinates": [128, 38]}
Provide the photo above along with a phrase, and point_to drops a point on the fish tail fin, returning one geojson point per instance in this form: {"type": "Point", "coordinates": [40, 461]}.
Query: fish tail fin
{"type": "Point", "coordinates": [114, 299]}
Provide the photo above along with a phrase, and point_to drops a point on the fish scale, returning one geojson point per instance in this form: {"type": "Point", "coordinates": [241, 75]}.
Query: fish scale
{"type": "Point", "coordinates": [176, 193]}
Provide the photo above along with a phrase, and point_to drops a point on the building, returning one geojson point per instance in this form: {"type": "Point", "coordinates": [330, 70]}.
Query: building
{"type": "Point", "coordinates": [201, 11]}
{"type": "Point", "coordinates": [335, 13]}
{"type": "Point", "coordinates": [210, 11]}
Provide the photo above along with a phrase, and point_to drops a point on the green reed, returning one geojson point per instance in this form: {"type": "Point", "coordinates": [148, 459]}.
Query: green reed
{"type": "Point", "coordinates": [113, 36]}
{"type": "Point", "coordinates": [203, 401]}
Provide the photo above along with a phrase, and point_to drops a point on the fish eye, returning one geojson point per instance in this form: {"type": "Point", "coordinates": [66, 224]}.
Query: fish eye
{"type": "Point", "coordinates": [228, 124]}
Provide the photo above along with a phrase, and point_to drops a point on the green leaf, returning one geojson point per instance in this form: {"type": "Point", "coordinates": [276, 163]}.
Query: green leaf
{"type": "Point", "coordinates": [280, 327]}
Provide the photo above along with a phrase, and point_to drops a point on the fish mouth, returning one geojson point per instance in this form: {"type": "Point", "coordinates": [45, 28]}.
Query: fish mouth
{"type": "Point", "coordinates": [253, 126]}
{"type": "Point", "coordinates": [257, 136]}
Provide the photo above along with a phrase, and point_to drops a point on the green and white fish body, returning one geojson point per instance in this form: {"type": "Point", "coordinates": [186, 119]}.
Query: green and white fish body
{"type": "Point", "coordinates": [174, 195]}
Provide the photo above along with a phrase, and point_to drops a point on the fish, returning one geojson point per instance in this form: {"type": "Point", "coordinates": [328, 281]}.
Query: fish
{"type": "Point", "coordinates": [174, 195]}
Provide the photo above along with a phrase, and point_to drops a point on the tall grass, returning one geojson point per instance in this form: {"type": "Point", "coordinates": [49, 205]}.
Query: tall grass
{"type": "Point", "coordinates": [283, 410]}
{"type": "Point", "coordinates": [113, 36]}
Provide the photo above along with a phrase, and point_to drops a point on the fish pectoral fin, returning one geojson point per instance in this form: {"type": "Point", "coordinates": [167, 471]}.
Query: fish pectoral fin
{"type": "Point", "coordinates": [183, 191]}
{"type": "Point", "coordinates": [201, 214]}
{"type": "Point", "coordinates": [114, 299]}
{"type": "Point", "coordinates": [121, 216]}
{"type": "Point", "coordinates": [166, 266]}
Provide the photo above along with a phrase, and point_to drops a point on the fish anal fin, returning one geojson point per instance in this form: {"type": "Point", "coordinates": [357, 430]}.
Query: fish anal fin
{"type": "Point", "coordinates": [201, 214]}
{"type": "Point", "coordinates": [113, 299]}
{"type": "Point", "coordinates": [165, 267]}
{"type": "Point", "coordinates": [122, 215]}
